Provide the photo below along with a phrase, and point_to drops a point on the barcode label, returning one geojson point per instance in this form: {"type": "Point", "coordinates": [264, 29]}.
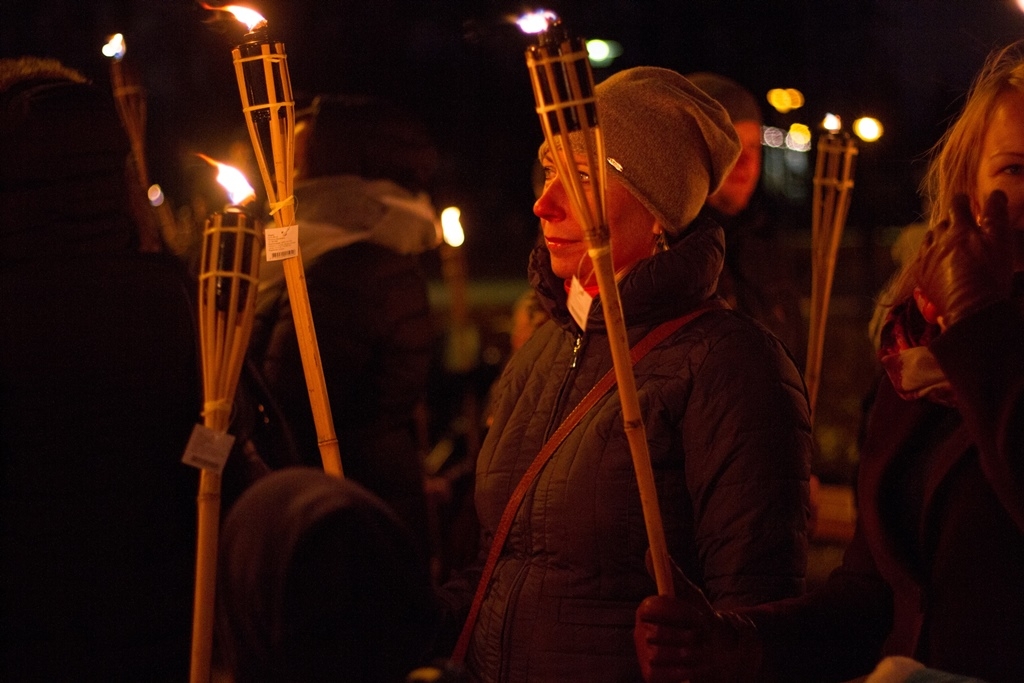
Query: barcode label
{"type": "Point", "coordinates": [282, 243]}
{"type": "Point", "coordinates": [208, 449]}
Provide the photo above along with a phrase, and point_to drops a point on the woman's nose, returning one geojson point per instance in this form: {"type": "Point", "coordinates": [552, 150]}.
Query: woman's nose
{"type": "Point", "coordinates": [550, 204]}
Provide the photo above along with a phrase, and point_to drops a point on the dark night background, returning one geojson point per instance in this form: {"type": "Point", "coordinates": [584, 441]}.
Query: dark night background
{"type": "Point", "coordinates": [460, 65]}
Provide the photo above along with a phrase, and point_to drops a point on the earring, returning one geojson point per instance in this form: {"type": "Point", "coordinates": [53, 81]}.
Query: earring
{"type": "Point", "coordinates": [660, 242]}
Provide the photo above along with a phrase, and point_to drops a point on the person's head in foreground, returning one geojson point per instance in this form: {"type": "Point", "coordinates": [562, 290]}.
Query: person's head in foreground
{"type": "Point", "coordinates": [668, 144]}
{"type": "Point", "coordinates": [319, 581]}
{"type": "Point", "coordinates": [738, 187]}
{"type": "Point", "coordinates": [63, 186]}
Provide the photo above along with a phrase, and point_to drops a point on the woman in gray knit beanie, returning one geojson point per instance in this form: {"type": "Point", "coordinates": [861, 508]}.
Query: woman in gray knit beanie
{"type": "Point", "coordinates": [669, 145]}
{"type": "Point", "coordinates": [724, 412]}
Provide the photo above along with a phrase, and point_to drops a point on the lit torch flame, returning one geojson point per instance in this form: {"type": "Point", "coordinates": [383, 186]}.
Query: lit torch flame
{"type": "Point", "coordinates": [231, 179]}
{"type": "Point", "coordinates": [451, 227]}
{"type": "Point", "coordinates": [250, 17]}
{"type": "Point", "coordinates": [832, 123]}
{"type": "Point", "coordinates": [536, 22]}
{"type": "Point", "coordinates": [115, 47]}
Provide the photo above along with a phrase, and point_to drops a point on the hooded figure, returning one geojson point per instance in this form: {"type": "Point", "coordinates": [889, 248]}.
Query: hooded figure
{"type": "Point", "coordinates": [364, 220]}
{"type": "Point", "coordinates": [724, 411]}
{"type": "Point", "coordinates": [319, 581]}
{"type": "Point", "coordinates": [99, 391]}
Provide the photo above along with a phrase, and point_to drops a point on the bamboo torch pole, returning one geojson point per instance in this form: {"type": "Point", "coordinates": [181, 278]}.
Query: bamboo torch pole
{"type": "Point", "coordinates": [130, 98]}
{"type": "Point", "coordinates": [563, 87]}
{"type": "Point", "coordinates": [228, 280]}
{"type": "Point", "coordinates": [264, 84]}
{"type": "Point", "coordinates": [833, 183]}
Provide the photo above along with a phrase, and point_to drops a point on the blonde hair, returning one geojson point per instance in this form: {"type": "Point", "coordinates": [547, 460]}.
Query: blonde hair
{"type": "Point", "coordinates": [955, 158]}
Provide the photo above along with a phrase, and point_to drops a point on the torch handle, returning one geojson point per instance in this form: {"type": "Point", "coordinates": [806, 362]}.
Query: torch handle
{"type": "Point", "coordinates": [206, 576]}
{"type": "Point", "coordinates": [633, 424]}
{"type": "Point", "coordinates": [264, 85]}
{"type": "Point", "coordinates": [563, 87]}
{"type": "Point", "coordinates": [228, 279]}
{"type": "Point", "coordinates": [833, 184]}
{"type": "Point", "coordinates": [309, 352]}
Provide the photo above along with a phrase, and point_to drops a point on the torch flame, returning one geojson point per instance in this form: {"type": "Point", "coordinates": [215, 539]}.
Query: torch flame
{"type": "Point", "coordinates": [451, 227]}
{"type": "Point", "coordinates": [232, 180]}
{"type": "Point", "coordinates": [832, 123]}
{"type": "Point", "coordinates": [250, 17]}
{"type": "Point", "coordinates": [537, 21]}
{"type": "Point", "coordinates": [115, 47]}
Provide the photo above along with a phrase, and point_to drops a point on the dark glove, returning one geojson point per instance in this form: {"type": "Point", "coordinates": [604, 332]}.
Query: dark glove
{"type": "Point", "coordinates": [683, 638]}
{"type": "Point", "coordinates": [964, 266]}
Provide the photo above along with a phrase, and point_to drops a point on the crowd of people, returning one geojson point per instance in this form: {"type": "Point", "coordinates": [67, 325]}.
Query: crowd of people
{"type": "Point", "coordinates": [324, 578]}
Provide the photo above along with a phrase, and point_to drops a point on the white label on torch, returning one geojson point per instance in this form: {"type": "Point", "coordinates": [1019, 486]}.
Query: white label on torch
{"type": "Point", "coordinates": [282, 243]}
{"type": "Point", "coordinates": [208, 449]}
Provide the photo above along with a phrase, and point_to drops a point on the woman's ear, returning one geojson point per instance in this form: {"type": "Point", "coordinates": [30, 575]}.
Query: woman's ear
{"type": "Point", "coordinates": [660, 241]}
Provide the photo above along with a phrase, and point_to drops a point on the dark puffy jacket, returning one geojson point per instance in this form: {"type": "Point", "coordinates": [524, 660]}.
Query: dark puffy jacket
{"type": "Point", "coordinates": [728, 432]}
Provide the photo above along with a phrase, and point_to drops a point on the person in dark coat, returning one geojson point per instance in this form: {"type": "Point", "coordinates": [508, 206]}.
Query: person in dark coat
{"type": "Point", "coordinates": [99, 391]}
{"type": "Point", "coordinates": [320, 581]}
{"type": "Point", "coordinates": [724, 410]}
{"type": "Point", "coordinates": [365, 218]}
{"type": "Point", "coordinates": [934, 568]}
{"type": "Point", "coordinates": [754, 279]}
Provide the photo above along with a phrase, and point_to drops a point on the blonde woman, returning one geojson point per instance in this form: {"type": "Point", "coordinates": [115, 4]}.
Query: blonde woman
{"type": "Point", "coordinates": [935, 566]}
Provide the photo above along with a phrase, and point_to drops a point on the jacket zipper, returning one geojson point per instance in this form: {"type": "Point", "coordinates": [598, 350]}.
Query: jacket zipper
{"type": "Point", "coordinates": [553, 418]}
{"type": "Point", "coordinates": [576, 350]}
{"type": "Point", "coordinates": [517, 583]}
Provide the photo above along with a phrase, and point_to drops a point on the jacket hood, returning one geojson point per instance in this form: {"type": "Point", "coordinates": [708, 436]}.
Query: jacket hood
{"type": "Point", "coordinates": [336, 211]}
{"type": "Point", "coordinates": [63, 186]}
{"type": "Point", "coordinates": [318, 577]}
{"type": "Point", "coordinates": [349, 209]}
{"type": "Point", "coordinates": [660, 287]}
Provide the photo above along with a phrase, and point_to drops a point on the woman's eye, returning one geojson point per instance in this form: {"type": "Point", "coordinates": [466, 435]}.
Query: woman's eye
{"type": "Point", "coordinates": [549, 173]}
{"type": "Point", "coordinates": [584, 176]}
{"type": "Point", "coordinates": [1013, 169]}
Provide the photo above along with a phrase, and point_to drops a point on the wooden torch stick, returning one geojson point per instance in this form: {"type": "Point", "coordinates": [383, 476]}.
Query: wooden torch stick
{"type": "Point", "coordinates": [563, 87]}
{"type": "Point", "coordinates": [261, 68]}
{"type": "Point", "coordinates": [833, 182]}
{"type": "Point", "coordinates": [227, 304]}
{"type": "Point", "coordinates": [130, 98]}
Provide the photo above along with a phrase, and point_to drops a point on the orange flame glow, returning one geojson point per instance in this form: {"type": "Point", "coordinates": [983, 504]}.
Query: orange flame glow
{"type": "Point", "coordinates": [232, 180]}
{"type": "Point", "coordinates": [115, 47]}
{"type": "Point", "coordinates": [832, 123]}
{"type": "Point", "coordinates": [250, 17]}
{"type": "Point", "coordinates": [537, 21]}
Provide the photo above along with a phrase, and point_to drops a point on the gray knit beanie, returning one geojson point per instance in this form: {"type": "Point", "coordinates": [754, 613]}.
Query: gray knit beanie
{"type": "Point", "coordinates": [737, 100]}
{"type": "Point", "coordinates": [667, 141]}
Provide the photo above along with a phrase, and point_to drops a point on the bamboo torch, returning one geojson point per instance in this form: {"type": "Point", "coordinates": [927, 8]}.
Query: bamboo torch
{"type": "Point", "coordinates": [228, 280]}
{"type": "Point", "coordinates": [264, 83]}
{"type": "Point", "coordinates": [833, 182]}
{"type": "Point", "coordinates": [130, 98]}
{"type": "Point", "coordinates": [563, 87]}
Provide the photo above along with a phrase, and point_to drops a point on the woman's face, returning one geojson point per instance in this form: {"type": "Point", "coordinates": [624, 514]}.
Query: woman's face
{"type": "Point", "coordinates": [630, 224]}
{"type": "Point", "coordinates": [1001, 165]}
{"type": "Point", "coordinates": [738, 187]}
